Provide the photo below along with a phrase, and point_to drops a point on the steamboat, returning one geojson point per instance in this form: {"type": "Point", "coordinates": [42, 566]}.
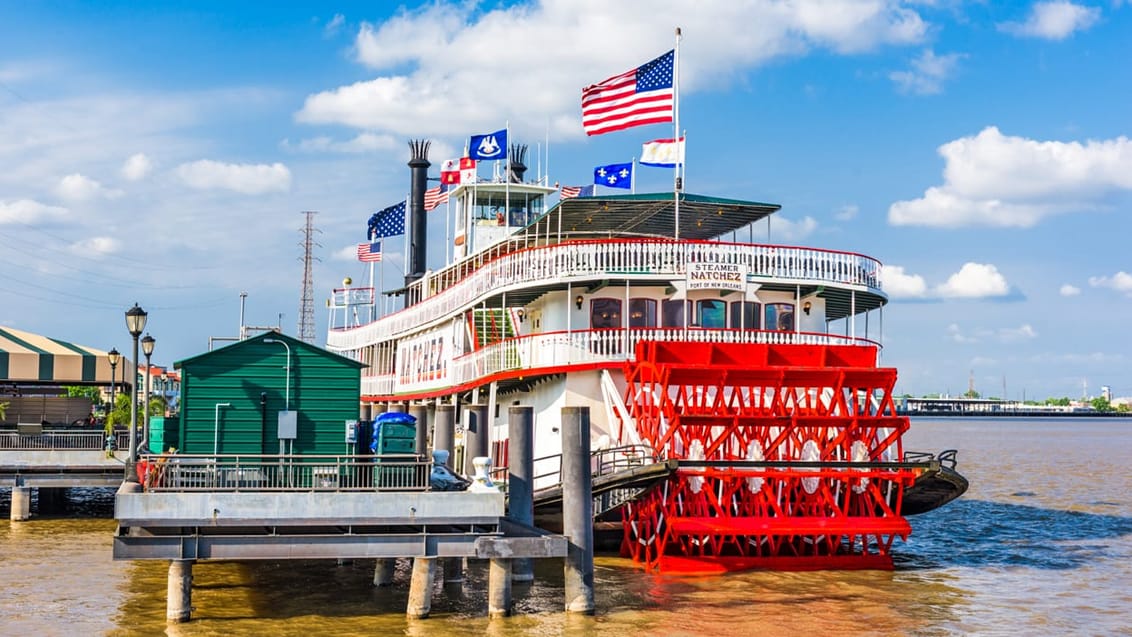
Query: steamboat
{"type": "Point", "coordinates": [739, 418]}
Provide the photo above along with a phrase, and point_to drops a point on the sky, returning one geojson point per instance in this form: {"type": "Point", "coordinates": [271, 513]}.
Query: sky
{"type": "Point", "coordinates": [164, 155]}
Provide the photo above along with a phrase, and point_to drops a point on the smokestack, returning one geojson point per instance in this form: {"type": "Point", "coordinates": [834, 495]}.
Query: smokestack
{"type": "Point", "coordinates": [418, 168]}
{"type": "Point", "coordinates": [516, 158]}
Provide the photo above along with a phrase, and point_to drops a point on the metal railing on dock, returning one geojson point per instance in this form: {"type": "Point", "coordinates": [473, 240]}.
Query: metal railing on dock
{"type": "Point", "coordinates": [239, 472]}
{"type": "Point", "coordinates": [12, 441]}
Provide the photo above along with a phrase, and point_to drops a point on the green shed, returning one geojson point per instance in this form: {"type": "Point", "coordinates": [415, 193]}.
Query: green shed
{"type": "Point", "coordinates": [268, 394]}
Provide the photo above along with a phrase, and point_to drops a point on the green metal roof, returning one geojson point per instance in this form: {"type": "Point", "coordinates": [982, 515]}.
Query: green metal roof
{"type": "Point", "coordinates": [651, 215]}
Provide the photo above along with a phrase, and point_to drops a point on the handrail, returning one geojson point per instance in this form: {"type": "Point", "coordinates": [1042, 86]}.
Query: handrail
{"type": "Point", "coordinates": [533, 353]}
{"type": "Point", "coordinates": [602, 462]}
{"type": "Point", "coordinates": [86, 440]}
{"type": "Point", "coordinates": [292, 473]}
{"type": "Point", "coordinates": [459, 287]}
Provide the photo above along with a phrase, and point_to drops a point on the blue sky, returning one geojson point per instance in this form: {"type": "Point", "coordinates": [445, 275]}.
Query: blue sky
{"type": "Point", "coordinates": [980, 150]}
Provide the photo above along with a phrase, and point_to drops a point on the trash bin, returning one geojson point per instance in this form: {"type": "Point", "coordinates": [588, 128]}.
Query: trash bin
{"type": "Point", "coordinates": [394, 433]}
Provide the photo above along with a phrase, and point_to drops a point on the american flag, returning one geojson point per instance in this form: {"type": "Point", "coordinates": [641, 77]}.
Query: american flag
{"type": "Point", "coordinates": [369, 251]}
{"type": "Point", "coordinates": [637, 97]}
{"type": "Point", "coordinates": [569, 192]}
{"type": "Point", "coordinates": [388, 222]}
{"type": "Point", "coordinates": [433, 197]}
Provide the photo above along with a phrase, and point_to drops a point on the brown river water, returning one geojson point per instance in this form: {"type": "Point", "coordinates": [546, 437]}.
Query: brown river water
{"type": "Point", "coordinates": [1040, 545]}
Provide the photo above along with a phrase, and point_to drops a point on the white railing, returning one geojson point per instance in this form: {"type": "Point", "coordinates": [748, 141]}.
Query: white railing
{"type": "Point", "coordinates": [237, 472]}
{"type": "Point", "coordinates": [561, 350]}
{"type": "Point", "coordinates": [52, 440]}
{"type": "Point", "coordinates": [463, 285]}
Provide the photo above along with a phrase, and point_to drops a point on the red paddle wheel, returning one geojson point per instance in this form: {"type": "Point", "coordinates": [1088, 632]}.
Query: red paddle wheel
{"type": "Point", "coordinates": [785, 457]}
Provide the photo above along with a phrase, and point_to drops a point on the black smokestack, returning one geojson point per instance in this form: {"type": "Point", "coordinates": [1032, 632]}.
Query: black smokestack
{"type": "Point", "coordinates": [516, 158]}
{"type": "Point", "coordinates": [418, 168]}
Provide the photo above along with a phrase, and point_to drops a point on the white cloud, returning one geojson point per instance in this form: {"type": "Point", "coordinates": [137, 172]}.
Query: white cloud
{"type": "Point", "coordinates": [29, 212]}
{"type": "Point", "coordinates": [97, 246]}
{"type": "Point", "coordinates": [783, 229]}
{"type": "Point", "coordinates": [994, 180]}
{"type": "Point", "coordinates": [928, 73]}
{"type": "Point", "coordinates": [347, 253]}
{"type": "Point", "coordinates": [1121, 282]}
{"type": "Point", "coordinates": [442, 69]}
{"type": "Point", "coordinates": [955, 334]}
{"type": "Point", "coordinates": [249, 179]}
{"type": "Point", "coordinates": [362, 143]}
{"type": "Point", "coordinates": [1023, 332]}
{"type": "Point", "coordinates": [974, 281]}
{"type": "Point", "coordinates": [136, 167]}
{"type": "Point", "coordinates": [846, 212]}
{"type": "Point", "coordinates": [78, 187]}
{"type": "Point", "coordinates": [1069, 290]}
{"type": "Point", "coordinates": [900, 285]}
{"type": "Point", "coordinates": [334, 24]}
{"type": "Point", "coordinates": [1007, 335]}
{"type": "Point", "coordinates": [1055, 20]}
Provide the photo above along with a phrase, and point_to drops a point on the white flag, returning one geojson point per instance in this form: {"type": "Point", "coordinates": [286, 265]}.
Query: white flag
{"type": "Point", "coordinates": [663, 153]}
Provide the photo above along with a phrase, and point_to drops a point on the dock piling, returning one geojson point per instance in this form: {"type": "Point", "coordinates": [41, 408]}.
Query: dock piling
{"type": "Point", "coordinates": [520, 482]}
{"type": "Point", "coordinates": [577, 510]}
{"type": "Point", "coordinates": [383, 571]}
{"type": "Point", "coordinates": [420, 588]}
{"type": "Point", "coordinates": [179, 594]}
{"type": "Point", "coordinates": [21, 504]}
{"type": "Point", "coordinates": [499, 587]}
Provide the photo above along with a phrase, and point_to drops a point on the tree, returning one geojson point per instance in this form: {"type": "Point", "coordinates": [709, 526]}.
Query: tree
{"type": "Point", "coordinates": [79, 391]}
{"type": "Point", "coordinates": [970, 393]}
{"type": "Point", "coordinates": [1100, 403]}
{"type": "Point", "coordinates": [1058, 402]}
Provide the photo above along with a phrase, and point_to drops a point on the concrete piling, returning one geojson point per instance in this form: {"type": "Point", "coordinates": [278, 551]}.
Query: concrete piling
{"type": "Point", "coordinates": [179, 594]}
{"type": "Point", "coordinates": [21, 504]}
{"type": "Point", "coordinates": [420, 588]}
{"type": "Point", "coordinates": [476, 436]}
{"type": "Point", "coordinates": [499, 587]}
{"type": "Point", "coordinates": [520, 481]}
{"type": "Point", "coordinates": [420, 443]}
{"type": "Point", "coordinates": [383, 571]}
{"type": "Point", "coordinates": [577, 510]}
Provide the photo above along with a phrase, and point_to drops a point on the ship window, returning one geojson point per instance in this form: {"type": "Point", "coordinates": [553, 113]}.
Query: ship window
{"type": "Point", "coordinates": [672, 313]}
{"type": "Point", "coordinates": [711, 314]}
{"type": "Point", "coordinates": [780, 316]}
{"type": "Point", "coordinates": [745, 315]}
{"type": "Point", "coordinates": [605, 313]}
{"type": "Point", "coordinates": [642, 312]}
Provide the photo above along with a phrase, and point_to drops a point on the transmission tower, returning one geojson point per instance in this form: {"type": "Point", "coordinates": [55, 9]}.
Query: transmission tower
{"type": "Point", "coordinates": [306, 305]}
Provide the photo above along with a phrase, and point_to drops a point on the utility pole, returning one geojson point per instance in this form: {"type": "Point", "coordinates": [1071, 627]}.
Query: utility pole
{"type": "Point", "coordinates": [306, 304]}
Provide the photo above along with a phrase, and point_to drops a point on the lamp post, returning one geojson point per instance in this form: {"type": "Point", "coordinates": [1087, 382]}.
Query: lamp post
{"type": "Point", "coordinates": [147, 344]}
{"type": "Point", "coordinates": [135, 323]}
{"type": "Point", "coordinates": [114, 357]}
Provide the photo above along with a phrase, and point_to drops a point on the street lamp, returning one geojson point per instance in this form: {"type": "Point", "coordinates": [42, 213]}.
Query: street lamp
{"type": "Point", "coordinates": [135, 323]}
{"type": "Point", "coordinates": [114, 357]}
{"type": "Point", "coordinates": [147, 344]}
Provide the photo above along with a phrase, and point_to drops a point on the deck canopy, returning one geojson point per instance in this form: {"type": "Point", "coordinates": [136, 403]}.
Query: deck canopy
{"type": "Point", "coordinates": [649, 215]}
{"type": "Point", "coordinates": [32, 359]}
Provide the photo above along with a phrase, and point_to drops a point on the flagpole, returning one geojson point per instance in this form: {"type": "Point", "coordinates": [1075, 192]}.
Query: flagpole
{"type": "Point", "coordinates": [373, 299]}
{"type": "Point", "coordinates": [676, 130]}
{"type": "Point", "coordinates": [507, 175]}
{"type": "Point", "coordinates": [633, 176]}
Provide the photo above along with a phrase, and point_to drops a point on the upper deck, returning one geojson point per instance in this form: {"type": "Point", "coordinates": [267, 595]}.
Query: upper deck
{"type": "Point", "coordinates": [529, 265]}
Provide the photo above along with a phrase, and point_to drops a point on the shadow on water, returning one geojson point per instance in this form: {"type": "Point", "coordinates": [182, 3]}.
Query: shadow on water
{"type": "Point", "coordinates": [981, 533]}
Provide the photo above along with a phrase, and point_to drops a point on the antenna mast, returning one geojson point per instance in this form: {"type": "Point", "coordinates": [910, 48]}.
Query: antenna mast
{"type": "Point", "coordinates": [306, 305]}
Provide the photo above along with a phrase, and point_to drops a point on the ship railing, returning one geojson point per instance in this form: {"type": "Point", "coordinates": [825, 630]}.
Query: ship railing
{"type": "Point", "coordinates": [306, 472]}
{"type": "Point", "coordinates": [605, 461]}
{"type": "Point", "coordinates": [87, 440]}
{"type": "Point", "coordinates": [463, 285]}
{"type": "Point", "coordinates": [584, 347]}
